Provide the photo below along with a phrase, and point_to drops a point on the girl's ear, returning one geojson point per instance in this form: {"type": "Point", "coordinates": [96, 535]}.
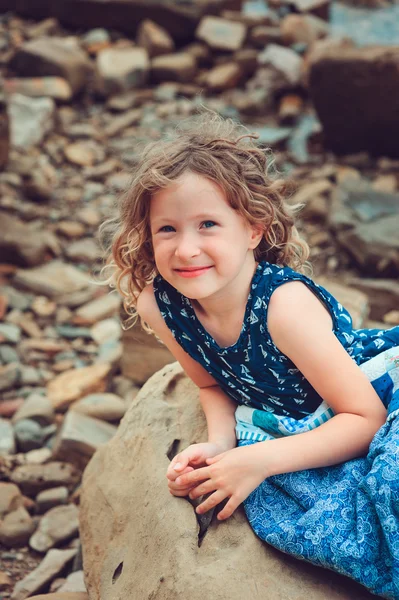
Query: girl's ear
{"type": "Point", "coordinates": [257, 232]}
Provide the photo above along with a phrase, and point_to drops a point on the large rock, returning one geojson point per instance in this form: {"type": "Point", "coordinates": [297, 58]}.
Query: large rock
{"type": "Point", "coordinates": [57, 57]}
{"type": "Point", "coordinates": [180, 19]}
{"type": "Point", "coordinates": [140, 542]}
{"type": "Point", "coordinates": [355, 92]}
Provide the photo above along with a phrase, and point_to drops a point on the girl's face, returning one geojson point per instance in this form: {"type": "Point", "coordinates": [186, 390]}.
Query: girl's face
{"type": "Point", "coordinates": [201, 244]}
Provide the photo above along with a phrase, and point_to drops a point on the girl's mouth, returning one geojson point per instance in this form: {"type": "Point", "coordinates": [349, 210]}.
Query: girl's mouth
{"type": "Point", "coordinates": [192, 271]}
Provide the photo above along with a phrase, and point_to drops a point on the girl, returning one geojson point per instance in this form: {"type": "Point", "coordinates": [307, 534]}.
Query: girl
{"type": "Point", "coordinates": [207, 254]}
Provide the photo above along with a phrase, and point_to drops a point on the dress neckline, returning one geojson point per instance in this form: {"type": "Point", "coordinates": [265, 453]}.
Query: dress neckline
{"type": "Point", "coordinates": [209, 340]}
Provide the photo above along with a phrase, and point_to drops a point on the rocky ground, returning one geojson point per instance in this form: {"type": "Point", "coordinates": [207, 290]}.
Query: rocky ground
{"type": "Point", "coordinates": [77, 107]}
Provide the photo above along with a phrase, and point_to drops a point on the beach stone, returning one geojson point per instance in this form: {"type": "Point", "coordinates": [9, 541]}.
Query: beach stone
{"type": "Point", "coordinates": [9, 407]}
{"type": "Point", "coordinates": [106, 407]}
{"type": "Point", "coordinates": [10, 498]}
{"type": "Point", "coordinates": [10, 376]}
{"type": "Point", "coordinates": [180, 66]}
{"type": "Point", "coordinates": [80, 437]}
{"type": "Point", "coordinates": [53, 279]}
{"type": "Point", "coordinates": [96, 40]}
{"type": "Point", "coordinates": [53, 56]}
{"type": "Point", "coordinates": [261, 35]}
{"type": "Point", "coordinates": [85, 250]}
{"type": "Point", "coordinates": [77, 383]}
{"type": "Point", "coordinates": [51, 87]}
{"type": "Point", "coordinates": [56, 526]}
{"type": "Point", "coordinates": [81, 154]}
{"type": "Point", "coordinates": [106, 331]}
{"type": "Point", "coordinates": [98, 309]}
{"type": "Point", "coordinates": [30, 435]}
{"type": "Point", "coordinates": [16, 528]}
{"type": "Point", "coordinates": [306, 29]}
{"type": "Point", "coordinates": [168, 410]}
{"type": "Point", "coordinates": [50, 498]}
{"type": "Point", "coordinates": [121, 69]}
{"type": "Point", "coordinates": [74, 583]}
{"type": "Point", "coordinates": [52, 565]}
{"type": "Point", "coordinates": [20, 244]}
{"type": "Point", "coordinates": [5, 582]}
{"type": "Point", "coordinates": [16, 299]}
{"type": "Point", "coordinates": [7, 438]}
{"type": "Point", "coordinates": [36, 407]}
{"type": "Point", "coordinates": [10, 333]}
{"type": "Point", "coordinates": [284, 60]}
{"type": "Point", "coordinates": [38, 457]}
{"type": "Point", "coordinates": [155, 39]}
{"type": "Point", "coordinates": [351, 74]}
{"type": "Point", "coordinates": [31, 119]}
{"type": "Point", "coordinates": [115, 127]}
{"type": "Point", "coordinates": [223, 77]}
{"type": "Point", "coordinates": [221, 34]}
{"type": "Point", "coordinates": [34, 478]}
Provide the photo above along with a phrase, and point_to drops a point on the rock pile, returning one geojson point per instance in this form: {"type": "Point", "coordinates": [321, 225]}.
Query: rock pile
{"type": "Point", "coordinates": [75, 112]}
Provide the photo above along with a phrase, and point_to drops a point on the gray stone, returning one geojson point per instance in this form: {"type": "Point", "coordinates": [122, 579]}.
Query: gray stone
{"type": "Point", "coordinates": [85, 250]}
{"type": "Point", "coordinates": [221, 34]}
{"type": "Point", "coordinates": [80, 437]}
{"type": "Point", "coordinates": [284, 60]}
{"type": "Point", "coordinates": [106, 407]}
{"type": "Point", "coordinates": [34, 478]}
{"type": "Point", "coordinates": [51, 87]}
{"type": "Point", "coordinates": [30, 435]}
{"type": "Point", "coordinates": [52, 565]}
{"type": "Point", "coordinates": [108, 330]}
{"type": "Point", "coordinates": [98, 309]}
{"type": "Point", "coordinates": [10, 333]}
{"type": "Point", "coordinates": [74, 583]}
{"type": "Point", "coordinates": [15, 298]}
{"type": "Point", "coordinates": [16, 528]}
{"type": "Point", "coordinates": [10, 376]}
{"type": "Point", "coordinates": [8, 354]}
{"type": "Point", "coordinates": [10, 498]}
{"type": "Point", "coordinates": [180, 66]}
{"type": "Point", "coordinates": [7, 439]}
{"type": "Point", "coordinates": [52, 56]}
{"type": "Point", "coordinates": [31, 119]}
{"type": "Point", "coordinates": [51, 498]}
{"type": "Point", "coordinates": [22, 245]}
{"type": "Point", "coordinates": [121, 69]}
{"type": "Point", "coordinates": [52, 279]}
{"type": "Point", "coordinates": [57, 525]}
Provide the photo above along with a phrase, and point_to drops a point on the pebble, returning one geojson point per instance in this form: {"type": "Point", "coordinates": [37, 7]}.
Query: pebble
{"type": "Point", "coordinates": [107, 407]}
{"type": "Point", "coordinates": [30, 435]}
{"type": "Point", "coordinates": [98, 309]}
{"type": "Point", "coordinates": [38, 457]}
{"type": "Point", "coordinates": [9, 407]}
{"type": "Point", "coordinates": [8, 354]}
{"type": "Point", "coordinates": [76, 383]}
{"type": "Point", "coordinates": [10, 498]}
{"type": "Point", "coordinates": [50, 498]}
{"type": "Point", "coordinates": [34, 478]}
{"type": "Point", "coordinates": [10, 333]}
{"type": "Point", "coordinates": [58, 525]}
{"type": "Point", "coordinates": [16, 528]}
{"type": "Point", "coordinates": [7, 438]}
{"type": "Point", "coordinates": [108, 330]}
{"type": "Point", "coordinates": [36, 407]}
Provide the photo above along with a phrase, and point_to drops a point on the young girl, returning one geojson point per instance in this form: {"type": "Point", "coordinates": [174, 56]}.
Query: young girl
{"type": "Point", "coordinates": [206, 253]}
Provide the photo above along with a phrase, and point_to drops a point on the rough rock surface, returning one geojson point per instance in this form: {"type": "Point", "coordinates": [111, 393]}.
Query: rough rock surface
{"type": "Point", "coordinates": [140, 542]}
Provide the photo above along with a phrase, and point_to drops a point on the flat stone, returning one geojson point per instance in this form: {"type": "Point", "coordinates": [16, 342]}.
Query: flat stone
{"type": "Point", "coordinates": [58, 525]}
{"type": "Point", "coordinates": [306, 29]}
{"type": "Point", "coordinates": [107, 330]}
{"type": "Point", "coordinates": [34, 478]}
{"type": "Point", "coordinates": [50, 498]}
{"type": "Point", "coordinates": [31, 119]}
{"type": "Point", "coordinates": [36, 407]}
{"type": "Point", "coordinates": [30, 435]}
{"type": "Point", "coordinates": [80, 437]}
{"type": "Point", "coordinates": [38, 457]}
{"type": "Point", "coordinates": [85, 250]}
{"type": "Point", "coordinates": [52, 87]}
{"type": "Point", "coordinates": [155, 39]}
{"type": "Point", "coordinates": [9, 333]}
{"type": "Point", "coordinates": [16, 528]}
{"type": "Point", "coordinates": [52, 279]}
{"type": "Point", "coordinates": [7, 439]}
{"type": "Point", "coordinates": [180, 66]}
{"type": "Point", "coordinates": [221, 34]}
{"type": "Point", "coordinates": [76, 383]}
{"type": "Point", "coordinates": [52, 565]}
{"type": "Point", "coordinates": [20, 244]}
{"type": "Point", "coordinates": [81, 154]}
{"type": "Point", "coordinates": [96, 40]}
{"type": "Point", "coordinates": [9, 407]}
{"type": "Point", "coordinates": [10, 376]}
{"type": "Point", "coordinates": [284, 60]}
{"type": "Point", "coordinates": [98, 309]}
{"type": "Point", "coordinates": [121, 69]}
{"type": "Point", "coordinates": [10, 498]}
{"type": "Point", "coordinates": [116, 126]}
{"type": "Point", "coordinates": [223, 77]}
{"type": "Point", "coordinates": [52, 56]}
{"type": "Point", "coordinates": [106, 407]}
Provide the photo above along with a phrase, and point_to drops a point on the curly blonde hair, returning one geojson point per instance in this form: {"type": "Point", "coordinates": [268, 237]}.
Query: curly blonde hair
{"type": "Point", "coordinates": [224, 152]}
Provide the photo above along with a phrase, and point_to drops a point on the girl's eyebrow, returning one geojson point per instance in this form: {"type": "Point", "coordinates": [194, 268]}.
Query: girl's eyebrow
{"type": "Point", "coordinates": [202, 216]}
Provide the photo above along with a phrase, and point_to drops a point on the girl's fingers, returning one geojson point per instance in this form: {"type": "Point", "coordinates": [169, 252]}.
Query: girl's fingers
{"type": "Point", "coordinates": [228, 509]}
{"type": "Point", "coordinates": [214, 459]}
{"type": "Point", "coordinates": [172, 475]}
{"type": "Point", "coordinates": [203, 488]}
{"type": "Point", "coordinates": [211, 502]}
{"type": "Point", "coordinates": [194, 476]}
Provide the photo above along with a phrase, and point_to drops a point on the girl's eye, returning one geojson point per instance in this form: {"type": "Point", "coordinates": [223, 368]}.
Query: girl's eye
{"type": "Point", "coordinates": [208, 224]}
{"type": "Point", "coordinates": [166, 228]}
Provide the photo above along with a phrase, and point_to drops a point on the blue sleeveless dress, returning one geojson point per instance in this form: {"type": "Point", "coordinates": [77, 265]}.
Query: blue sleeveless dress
{"type": "Point", "coordinates": [344, 517]}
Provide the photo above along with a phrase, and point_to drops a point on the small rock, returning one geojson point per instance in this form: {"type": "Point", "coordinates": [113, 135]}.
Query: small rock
{"type": "Point", "coordinates": [392, 317]}
{"type": "Point", "coordinates": [31, 119]}
{"type": "Point", "coordinates": [57, 525]}
{"type": "Point", "coordinates": [117, 125]}
{"type": "Point", "coordinates": [52, 279]}
{"type": "Point", "coordinates": [223, 77]}
{"type": "Point", "coordinates": [76, 383]}
{"type": "Point", "coordinates": [52, 565]}
{"type": "Point", "coordinates": [60, 57]}
{"type": "Point", "coordinates": [52, 87]}
{"type": "Point", "coordinates": [74, 583]}
{"type": "Point", "coordinates": [85, 250]}
{"type": "Point", "coordinates": [98, 309]}
{"type": "Point", "coordinates": [262, 35]}
{"type": "Point", "coordinates": [10, 376]}
{"type": "Point", "coordinates": [180, 66]}
{"type": "Point", "coordinates": [385, 183]}
{"type": "Point", "coordinates": [9, 333]}
{"type": "Point", "coordinates": [10, 498]}
{"type": "Point", "coordinates": [7, 440]}
{"type": "Point", "coordinates": [155, 39]}
{"type": "Point", "coordinates": [43, 307]}
{"type": "Point", "coordinates": [5, 582]}
{"type": "Point", "coordinates": [106, 331]}
{"type": "Point", "coordinates": [38, 457]}
{"type": "Point", "coordinates": [304, 29]}
{"type": "Point", "coordinates": [36, 407]}
{"type": "Point", "coordinates": [30, 435]}
{"type": "Point", "coordinates": [96, 40]}
{"type": "Point", "coordinates": [50, 498]}
{"type": "Point", "coordinates": [16, 528]}
{"type": "Point", "coordinates": [221, 34]}
{"type": "Point", "coordinates": [284, 60]}
{"type": "Point", "coordinates": [20, 244]}
{"type": "Point", "coordinates": [290, 108]}
{"type": "Point", "coordinates": [121, 69]}
{"type": "Point", "coordinates": [9, 407]}
{"type": "Point", "coordinates": [106, 407]}
{"type": "Point", "coordinates": [81, 154]}
{"type": "Point", "coordinates": [34, 478]}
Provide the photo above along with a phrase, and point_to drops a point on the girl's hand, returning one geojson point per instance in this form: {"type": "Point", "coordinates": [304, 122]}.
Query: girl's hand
{"type": "Point", "coordinates": [185, 462]}
{"type": "Point", "coordinates": [233, 474]}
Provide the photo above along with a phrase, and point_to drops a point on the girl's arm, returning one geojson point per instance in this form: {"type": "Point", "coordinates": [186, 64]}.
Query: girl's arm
{"type": "Point", "coordinates": [219, 409]}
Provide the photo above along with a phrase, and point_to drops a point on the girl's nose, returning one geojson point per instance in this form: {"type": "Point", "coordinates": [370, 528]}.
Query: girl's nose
{"type": "Point", "coordinates": [187, 247]}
